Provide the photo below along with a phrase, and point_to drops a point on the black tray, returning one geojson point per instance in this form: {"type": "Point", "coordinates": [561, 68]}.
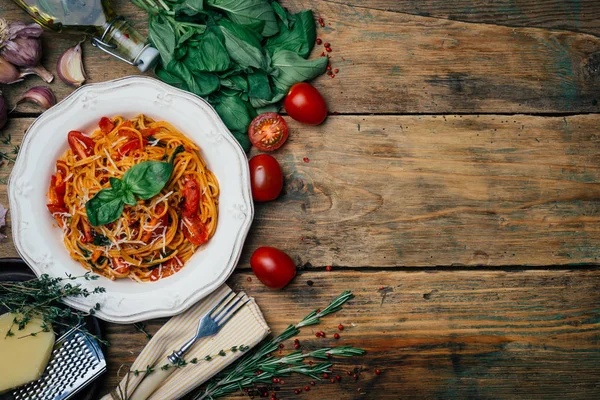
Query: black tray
{"type": "Point", "coordinates": [15, 270]}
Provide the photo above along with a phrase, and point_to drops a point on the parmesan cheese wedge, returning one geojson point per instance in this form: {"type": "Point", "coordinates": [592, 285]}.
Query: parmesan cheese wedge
{"type": "Point", "coordinates": [23, 359]}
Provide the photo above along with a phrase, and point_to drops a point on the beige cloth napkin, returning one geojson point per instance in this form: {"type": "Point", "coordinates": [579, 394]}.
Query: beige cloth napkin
{"type": "Point", "coordinates": [247, 327]}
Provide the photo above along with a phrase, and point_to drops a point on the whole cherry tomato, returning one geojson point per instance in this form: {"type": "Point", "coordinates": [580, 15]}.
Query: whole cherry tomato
{"type": "Point", "coordinates": [272, 267]}
{"type": "Point", "coordinates": [268, 131]}
{"type": "Point", "coordinates": [305, 104]}
{"type": "Point", "coordinates": [266, 178]}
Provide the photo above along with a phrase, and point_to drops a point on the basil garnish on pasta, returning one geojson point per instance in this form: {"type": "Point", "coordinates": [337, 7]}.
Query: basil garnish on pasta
{"type": "Point", "coordinates": [144, 180]}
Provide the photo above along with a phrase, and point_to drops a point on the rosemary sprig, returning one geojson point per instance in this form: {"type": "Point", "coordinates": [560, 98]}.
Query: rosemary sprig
{"type": "Point", "coordinates": [42, 297]}
{"type": "Point", "coordinates": [243, 373]}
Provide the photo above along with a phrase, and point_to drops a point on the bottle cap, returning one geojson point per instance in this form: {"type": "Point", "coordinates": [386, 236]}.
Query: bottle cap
{"type": "Point", "coordinates": [147, 58]}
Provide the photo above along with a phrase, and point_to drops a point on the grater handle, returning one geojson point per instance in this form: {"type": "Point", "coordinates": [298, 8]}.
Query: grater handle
{"type": "Point", "coordinates": [152, 382]}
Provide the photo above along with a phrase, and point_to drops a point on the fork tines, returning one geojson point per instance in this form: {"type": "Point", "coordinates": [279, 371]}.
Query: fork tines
{"type": "Point", "coordinates": [227, 307]}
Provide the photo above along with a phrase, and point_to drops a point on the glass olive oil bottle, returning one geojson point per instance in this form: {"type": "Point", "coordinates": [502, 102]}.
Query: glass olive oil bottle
{"type": "Point", "coordinates": [110, 32]}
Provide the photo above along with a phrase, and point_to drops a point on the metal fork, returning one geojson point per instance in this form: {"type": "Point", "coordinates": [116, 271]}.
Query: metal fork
{"type": "Point", "coordinates": [209, 324]}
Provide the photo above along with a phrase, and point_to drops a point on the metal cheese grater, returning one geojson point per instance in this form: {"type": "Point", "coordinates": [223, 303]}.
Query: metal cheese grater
{"type": "Point", "coordinates": [76, 360]}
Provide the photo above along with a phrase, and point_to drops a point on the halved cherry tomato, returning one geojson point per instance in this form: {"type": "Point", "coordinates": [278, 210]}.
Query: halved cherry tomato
{"type": "Point", "coordinates": [88, 235]}
{"type": "Point", "coordinates": [106, 125]}
{"type": "Point", "coordinates": [266, 178]}
{"type": "Point", "coordinates": [191, 195]}
{"type": "Point", "coordinates": [149, 131]}
{"type": "Point", "coordinates": [60, 184]}
{"type": "Point", "coordinates": [131, 145]}
{"type": "Point", "coordinates": [81, 145]}
{"type": "Point", "coordinates": [305, 104]}
{"type": "Point", "coordinates": [272, 267]}
{"type": "Point", "coordinates": [119, 265]}
{"type": "Point", "coordinates": [169, 268]}
{"type": "Point", "coordinates": [154, 227]}
{"type": "Point", "coordinates": [96, 255]}
{"type": "Point", "coordinates": [268, 131]}
{"type": "Point", "coordinates": [53, 196]}
{"type": "Point", "coordinates": [194, 230]}
{"type": "Point", "coordinates": [54, 208]}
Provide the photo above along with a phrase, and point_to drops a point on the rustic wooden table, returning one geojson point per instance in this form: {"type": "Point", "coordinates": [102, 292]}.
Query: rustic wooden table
{"type": "Point", "coordinates": [454, 191]}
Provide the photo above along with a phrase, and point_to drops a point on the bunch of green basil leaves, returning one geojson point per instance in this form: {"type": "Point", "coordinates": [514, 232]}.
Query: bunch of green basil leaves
{"type": "Point", "coordinates": [144, 181]}
{"type": "Point", "coordinates": [240, 55]}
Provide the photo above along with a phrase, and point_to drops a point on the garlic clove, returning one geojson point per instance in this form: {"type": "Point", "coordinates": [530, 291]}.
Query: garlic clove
{"type": "Point", "coordinates": [40, 95]}
{"type": "Point", "coordinates": [8, 72]}
{"type": "Point", "coordinates": [70, 66]}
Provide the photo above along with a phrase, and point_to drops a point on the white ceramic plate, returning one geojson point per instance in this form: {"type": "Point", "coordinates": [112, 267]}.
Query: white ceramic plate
{"type": "Point", "coordinates": [39, 241]}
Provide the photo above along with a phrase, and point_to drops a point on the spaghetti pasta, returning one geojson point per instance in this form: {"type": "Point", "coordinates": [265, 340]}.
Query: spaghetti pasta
{"type": "Point", "coordinates": [154, 238]}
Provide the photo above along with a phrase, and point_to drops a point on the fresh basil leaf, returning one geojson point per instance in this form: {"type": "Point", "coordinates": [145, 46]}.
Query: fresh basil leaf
{"type": "Point", "coordinates": [147, 179]}
{"type": "Point", "coordinates": [235, 82]}
{"type": "Point", "coordinates": [101, 240]}
{"type": "Point", "coordinates": [261, 103]}
{"type": "Point", "coordinates": [258, 85]}
{"type": "Point", "coordinates": [189, 7]}
{"type": "Point", "coordinates": [177, 68]}
{"type": "Point", "coordinates": [116, 183]}
{"type": "Point", "coordinates": [281, 13]}
{"type": "Point", "coordinates": [209, 55]}
{"type": "Point", "coordinates": [300, 39]}
{"type": "Point", "coordinates": [170, 78]}
{"type": "Point", "coordinates": [249, 12]}
{"type": "Point", "coordinates": [105, 207]}
{"type": "Point", "coordinates": [206, 83]}
{"type": "Point", "coordinates": [243, 139]}
{"type": "Point", "coordinates": [185, 37]}
{"type": "Point", "coordinates": [162, 36]}
{"type": "Point", "coordinates": [269, 108]}
{"type": "Point", "coordinates": [242, 45]}
{"type": "Point", "coordinates": [233, 112]}
{"type": "Point", "coordinates": [128, 198]}
{"type": "Point", "coordinates": [293, 68]}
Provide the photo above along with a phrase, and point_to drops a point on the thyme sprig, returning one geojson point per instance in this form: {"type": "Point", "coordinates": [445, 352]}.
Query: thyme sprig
{"type": "Point", "coordinates": [41, 297]}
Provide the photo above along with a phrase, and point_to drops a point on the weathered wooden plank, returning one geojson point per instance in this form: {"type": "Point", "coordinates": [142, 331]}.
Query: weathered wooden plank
{"type": "Point", "coordinates": [579, 16]}
{"type": "Point", "coordinates": [436, 335]}
{"type": "Point", "coordinates": [399, 63]}
{"type": "Point", "coordinates": [430, 191]}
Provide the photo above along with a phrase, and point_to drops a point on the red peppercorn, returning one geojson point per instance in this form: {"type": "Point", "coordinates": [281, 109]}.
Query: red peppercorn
{"type": "Point", "coordinates": [341, 327]}
{"type": "Point", "coordinates": [275, 380]}
{"type": "Point", "coordinates": [312, 383]}
{"type": "Point", "coordinates": [306, 388]}
{"type": "Point", "coordinates": [355, 376]}
{"type": "Point", "coordinates": [336, 70]}
{"type": "Point", "coordinates": [358, 390]}
{"type": "Point", "coordinates": [323, 334]}
{"type": "Point", "coordinates": [282, 382]}
{"type": "Point", "coordinates": [325, 375]}
{"type": "Point", "coordinates": [281, 345]}
{"type": "Point", "coordinates": [328, 268]}
{"type": "Point", "coordinates": [326, 44]}
{"type": "Point", "coordinates": [305, 159]}
{"type": "Point", "coordinates": [273, 394]}
{"type": "Point", "coordinates": [329, 73]}
{"type": "Point", "coordinates": [321, 22]}
{"type": "Point", "coordinates": [310, 362]}
{"type": "Point", "coordinates": [332, 380]}
{"type": "Point", "coordinates": [317, 334]}
{"type": "Point", "coordinates": [377, 372]}
{"type": "Point", "coordinates": [319, 41]}
{"type": "Point", "coordinates": [328, 49]}
{"type": "Point", "coordinates": [296, 391]}
{"type": "Point", "coordinates": [338, 378]}
{"type": "Point", "coordinates": [296, 341]}
{"type": "Point", "coordinates": [249, 279]}
{"type": "Point", "coordinates": [296, 345]}
{"type": "Point", "coordinates": [332, 75]}
{"type": "Point", "coordinates": [323, 54]}
{"type": "Point", "coordinates": [348, 373]}
{"type": "Point", "coordinates": [336, 335]}
{"type": "Point", "coordinates": [329, 68]}
{"type": "Point", "coordinates": [328, 354]}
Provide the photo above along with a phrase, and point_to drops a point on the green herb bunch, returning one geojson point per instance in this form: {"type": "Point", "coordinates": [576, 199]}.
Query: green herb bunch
{"type": "Point", "coordinates": [243, 373]}
{"type": "Point", "coordinates": [41, 297]}
{"type": "Point", "coordinates": [241, 55]}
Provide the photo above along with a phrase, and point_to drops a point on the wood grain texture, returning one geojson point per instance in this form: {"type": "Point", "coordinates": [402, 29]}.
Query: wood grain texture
{"type": "Point", "coordinates": [577, 16]}
{"type": "Point", "coordinates": [400, 63]}
{"type": "Point", "coordinates": [430, 191]}
{"type": "Point", "coordinates": [531, 334]}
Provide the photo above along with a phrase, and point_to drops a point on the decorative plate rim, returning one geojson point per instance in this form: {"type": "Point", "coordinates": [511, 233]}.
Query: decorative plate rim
{"type": "Point", "coordinates": [199, 292]}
